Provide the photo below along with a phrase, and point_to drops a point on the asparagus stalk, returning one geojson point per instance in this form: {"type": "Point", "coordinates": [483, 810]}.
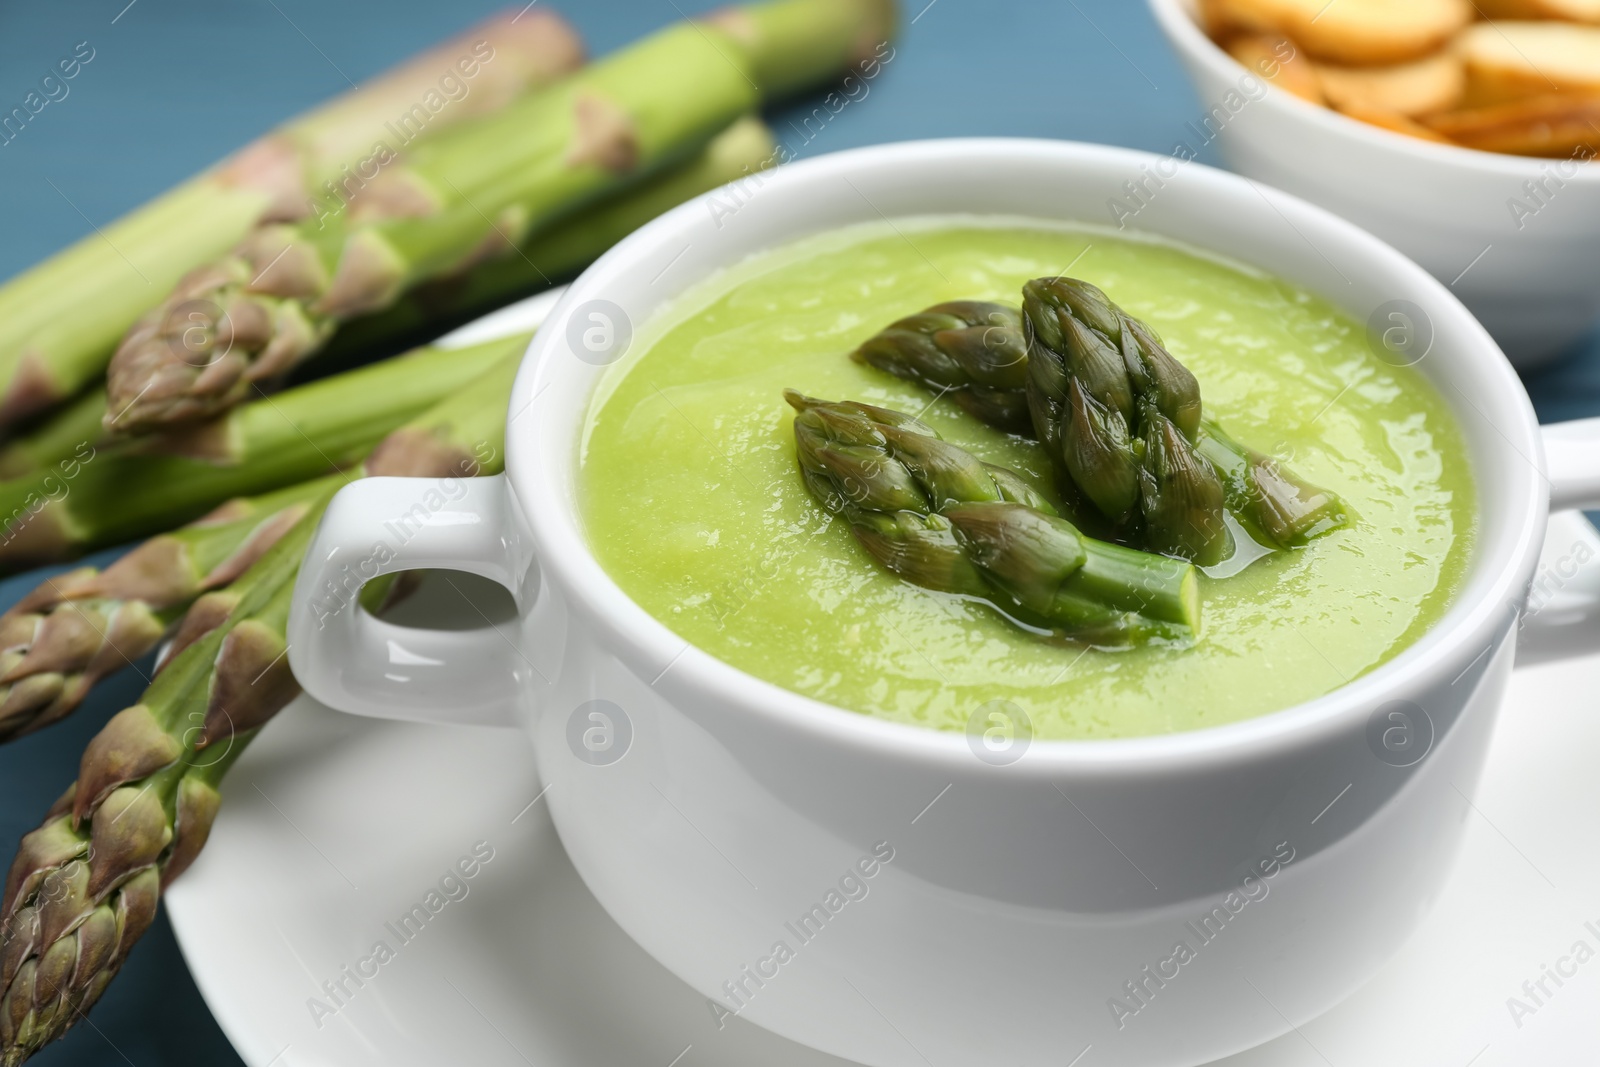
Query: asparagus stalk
{"type": "Point", "coordinates": [137, 489]}
{"type": "Point", "coordinates": [938, 517]}
{"type": "Point", "coordinates": [468, 195]}
{"type": "Point", "coordinates": [51, 349]}
{"type": "Point", "coordinates": [793, 45]}
{"type": "Point", "coordinates": [75, 629]}
{"type": "Point", "coordinates": [76, 425]}
{"type": "Point", "coordinates": [85, 884]}
{"type": "Point", "coordinates": [977, 353]}
{"type": "Point", "coordinates": [558, 253]}
{"type": "Point", "coordinates": [460, 436]}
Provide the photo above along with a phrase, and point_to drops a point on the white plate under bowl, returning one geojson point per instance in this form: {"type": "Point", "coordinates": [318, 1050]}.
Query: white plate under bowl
{"type": "Point", "coordinates": [335, 827]}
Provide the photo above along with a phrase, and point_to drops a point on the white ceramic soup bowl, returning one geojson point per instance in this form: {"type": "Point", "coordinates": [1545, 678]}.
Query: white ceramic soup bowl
{"type": "Point", "coordinates": [1516, 238]}
{"type": "Point", "coordinates": [899, 896]}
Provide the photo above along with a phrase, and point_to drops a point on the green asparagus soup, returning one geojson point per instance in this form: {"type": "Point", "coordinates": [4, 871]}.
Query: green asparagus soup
{"type": "Point", "coordinates": [692, 500]}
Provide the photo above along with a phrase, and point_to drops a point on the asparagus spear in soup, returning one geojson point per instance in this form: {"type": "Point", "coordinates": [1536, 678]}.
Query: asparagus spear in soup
{"type": "Point", "coordinates": [940, 518]}
{"type": "Point", "coordinates": [977, 353]}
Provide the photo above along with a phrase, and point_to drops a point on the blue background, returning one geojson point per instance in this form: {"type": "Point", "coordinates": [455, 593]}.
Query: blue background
{"type": "Point", "coordinates": [176, 84]}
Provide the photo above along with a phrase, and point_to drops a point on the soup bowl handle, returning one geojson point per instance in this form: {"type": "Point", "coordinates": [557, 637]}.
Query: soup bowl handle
{"type": "Point", "coordinates": [1561, 618]}
{"type": "Point", "coordinates": [1572, 462]}
{"type": "Point", "coordinates": [355, 662]}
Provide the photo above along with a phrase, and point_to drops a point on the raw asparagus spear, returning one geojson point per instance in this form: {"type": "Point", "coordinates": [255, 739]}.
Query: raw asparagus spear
{"type": "Point", "coordinates": [76, 628]}
{"type": "Point", "coordinates": [84, 886]}
{"type": "Point", "coordinates": [61, 320]}
{"type": "Point", "coordinates": [471, 194]}
{"type": "Point", "coordinates": [559, 253]}
{"type": "Point", "coordinates": [935, 515]}
{"type": "Point", "coordinates": [795, 45]}
{"type": "Point", "coordinates": [976, 353]}
{"type": "Point", "coordinates": [140, 488]}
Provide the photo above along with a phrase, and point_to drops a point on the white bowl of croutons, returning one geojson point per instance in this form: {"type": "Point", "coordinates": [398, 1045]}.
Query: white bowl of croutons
{"type": "Point", "coordinates": [1471, 145]}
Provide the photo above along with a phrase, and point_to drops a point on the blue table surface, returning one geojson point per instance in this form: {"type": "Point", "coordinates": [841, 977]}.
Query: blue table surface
{"type": "Point", "coordinates": [176, 84]}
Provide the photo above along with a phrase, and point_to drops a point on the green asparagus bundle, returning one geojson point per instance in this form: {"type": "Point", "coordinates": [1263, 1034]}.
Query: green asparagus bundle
{"type": "Point", "coordinates": [978, 354]}
{"type": "Point", "coordinates": [117, 493]}
{"type": "Point", "coordinates": [85, 885]}
{"type": "Point", "coordinates": [61, 320]}
{"type": "Point", "coordinates": [75, 629]}
{"type": "Point", "coordinates": [563, 251]}
{"type": "Point", "coordinates": [939, 518]}
{"type": "Point", "coordinates": [473, 193]}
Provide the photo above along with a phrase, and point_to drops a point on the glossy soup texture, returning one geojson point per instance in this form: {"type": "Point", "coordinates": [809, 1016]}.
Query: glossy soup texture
{"type": "Point", "coordinates": [692, 501]}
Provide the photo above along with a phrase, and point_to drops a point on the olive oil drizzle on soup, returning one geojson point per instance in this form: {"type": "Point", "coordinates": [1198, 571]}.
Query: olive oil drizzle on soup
{"type": "Point", "coordinates": [692, 502]}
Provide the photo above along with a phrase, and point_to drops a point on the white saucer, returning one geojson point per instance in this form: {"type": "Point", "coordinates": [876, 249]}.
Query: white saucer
{"type": "Point", "coordinates": [334, 826]}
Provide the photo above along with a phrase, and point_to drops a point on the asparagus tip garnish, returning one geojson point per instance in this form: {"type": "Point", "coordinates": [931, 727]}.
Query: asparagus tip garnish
{"type": "Point", "coordinates": [937, 516]}
{"type": "Point", "coordinates": [1276, 506]}
{"type": "Point", "coordinates": [972, 350]}
{"type": "Point", "coordinates": [1094, 384]}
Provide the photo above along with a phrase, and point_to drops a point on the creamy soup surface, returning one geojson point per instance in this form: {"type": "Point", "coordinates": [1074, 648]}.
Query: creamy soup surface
{"type": "Point", "coordinates": [692, 501]}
